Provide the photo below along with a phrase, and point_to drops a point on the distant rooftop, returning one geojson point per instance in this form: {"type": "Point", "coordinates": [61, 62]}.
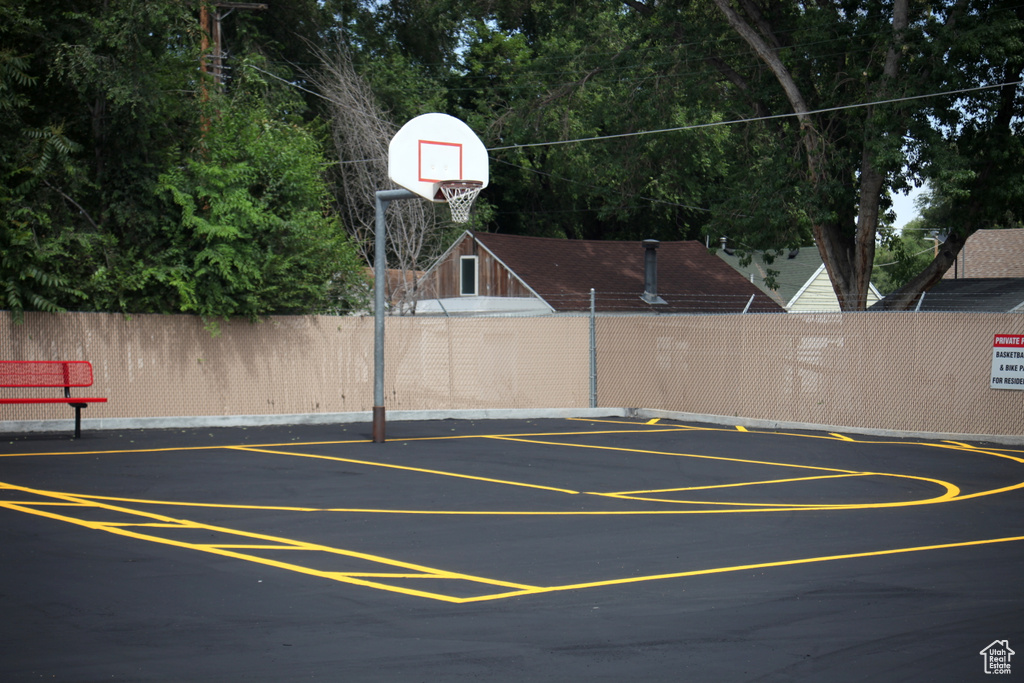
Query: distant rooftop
{"type": "Point", "coordinates": [795, 268]}
{"type": "Point", "coordinates": [990, 254]}
{"type": "Point", "coordinates": [976, 294]}
{"type": "Point", "coordinates": [563, 271]}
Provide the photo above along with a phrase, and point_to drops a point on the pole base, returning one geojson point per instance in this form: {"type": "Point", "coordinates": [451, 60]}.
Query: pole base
{"type": "Point", "coordinates": [378, 424]}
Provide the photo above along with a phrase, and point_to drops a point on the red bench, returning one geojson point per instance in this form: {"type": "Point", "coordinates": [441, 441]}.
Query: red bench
{"type": "Point", "coordinates": [50, 373]}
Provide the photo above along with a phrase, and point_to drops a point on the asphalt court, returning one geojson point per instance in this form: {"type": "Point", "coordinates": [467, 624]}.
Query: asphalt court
{"type": "Point", "coordinates": [496, 510]}
{"type": "Point", "coordinates": [491, 512]}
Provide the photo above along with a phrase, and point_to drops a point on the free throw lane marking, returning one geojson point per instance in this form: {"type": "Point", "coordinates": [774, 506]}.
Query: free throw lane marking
{"type": "Point", "coordinates": [404, 577]}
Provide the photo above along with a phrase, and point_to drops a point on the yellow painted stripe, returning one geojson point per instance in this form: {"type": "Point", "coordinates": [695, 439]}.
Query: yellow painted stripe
{"type": "Point", "coordinates": [739, 484]}
{"type": "Point", "coordinates": [360, 578]}
{"type": "Point", "coordinates": [44, 503]}
{"type": "Point", "coordinates": [385, 575]}
{"type": "Point", "coordinates": [745, 567]}
{"type": "Point", "coordinates": [120, 530]}
{"type": "Point", "coordinates": [406, 468]}
{"type": "Point", "coordinates": [678, 455]}
{"type": "Point", "coordinates": [249, 546]}
{"type": "Point", "coordinates": [951, 492]}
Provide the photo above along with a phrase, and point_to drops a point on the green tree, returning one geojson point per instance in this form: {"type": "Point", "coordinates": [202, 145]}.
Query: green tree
{"type": "Point", "coordinates": [902, 255]}
{"type": "Point", "coordinates": [538, 73]}
{"type": "Point", "coordinates": [841, 74]}
{"type": "Point", "coordinates": [28, 245]}
{"type": "Point", "coordinates": [100, 150]}
{"type": "Point", "coordinates": [103, 105]}
{"type": "Point", "coordinates": [254, 234]}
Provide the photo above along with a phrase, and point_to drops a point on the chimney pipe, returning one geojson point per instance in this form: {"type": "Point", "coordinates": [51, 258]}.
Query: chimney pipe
{"type": "Point", "coordinates": [650, 294]}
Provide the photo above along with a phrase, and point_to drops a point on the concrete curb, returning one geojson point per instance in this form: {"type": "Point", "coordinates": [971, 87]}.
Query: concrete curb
{"type": "Point", "coordinates": [114, 423]}
{"type": "Point", "coordinates": [185, 422]}
{"type": "Point", "coordinates": [776, 425]}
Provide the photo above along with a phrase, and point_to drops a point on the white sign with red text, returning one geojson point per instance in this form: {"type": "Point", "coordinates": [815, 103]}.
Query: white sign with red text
{"type": "Point", "coordinates": [1007, 362]}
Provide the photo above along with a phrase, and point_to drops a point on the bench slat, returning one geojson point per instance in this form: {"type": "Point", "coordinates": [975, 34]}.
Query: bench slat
{"type": "Point", "coordinates": [73, 399]}
{"type": "Point", "coordinates": [45, 373]}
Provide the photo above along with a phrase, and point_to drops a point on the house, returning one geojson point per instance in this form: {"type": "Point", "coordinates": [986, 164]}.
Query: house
{"type": "Point", "coordinates": [990, 254]}
{"type": "Point", "coordinates": [988, 275]}
{"type": "Point", "coordinates": [987, 294]}
{"type": "Point", "coordinates": [488, 273]}
{"type": "Point", "coordinates": [802, 284]}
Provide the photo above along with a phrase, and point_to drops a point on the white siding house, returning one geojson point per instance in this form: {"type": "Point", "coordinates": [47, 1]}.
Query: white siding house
{"type": "Point", "coordinates": [816, 295]}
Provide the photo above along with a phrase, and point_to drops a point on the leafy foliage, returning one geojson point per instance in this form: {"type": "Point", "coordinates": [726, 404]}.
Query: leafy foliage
{"type": "Point", "coordinates": [600, 119]}
{"type": "Point", "coordinates": [557, 71]}
{"type": "Point", "coordinates": [901, 256]}
{"type": "Point", "coordinates": [112, 198]}
{"type": "Point", "coordinates": [255, 236]}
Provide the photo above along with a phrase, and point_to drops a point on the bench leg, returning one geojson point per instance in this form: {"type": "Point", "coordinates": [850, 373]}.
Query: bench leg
{"type": "Point", "coordinates": [78, 418]}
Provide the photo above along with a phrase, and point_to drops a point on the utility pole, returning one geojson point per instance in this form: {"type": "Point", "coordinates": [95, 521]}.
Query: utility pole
{"type": "Point", "coordinates": [210, 29]}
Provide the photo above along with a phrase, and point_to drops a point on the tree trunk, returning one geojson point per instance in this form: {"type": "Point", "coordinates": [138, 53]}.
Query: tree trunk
{"type": "Point", "coordinates": [907, 296]}
{"type": "Point", "coordinates": [848, 264]}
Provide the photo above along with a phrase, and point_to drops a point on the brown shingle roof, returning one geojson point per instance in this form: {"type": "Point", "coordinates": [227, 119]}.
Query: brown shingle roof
{"type": "Point", "coordinates": [991, 253]}
{"type": "Point", "coordinates": [562, 272]}
{"type": "Point", "coordinates": [976, 294]}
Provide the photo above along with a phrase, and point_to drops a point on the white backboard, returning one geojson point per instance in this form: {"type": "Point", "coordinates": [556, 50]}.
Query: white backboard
{"type": "Point", "coordinates": [432, 148]}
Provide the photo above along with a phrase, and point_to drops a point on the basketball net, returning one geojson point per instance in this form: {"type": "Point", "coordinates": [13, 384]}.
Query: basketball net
{"type": "Point", "coordinates": [460, 195]}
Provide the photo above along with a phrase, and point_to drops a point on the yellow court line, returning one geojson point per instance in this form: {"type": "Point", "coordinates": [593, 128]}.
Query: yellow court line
{"type": "Point", "coordinates": [358, 578]}
{"type": "Point", "coordinates": [295, 444]}
{"type": "Point", "coordinates": [739, 484]}
{"type": "Point", "coordinates": [757, 507]}
{"type": "Point", "coordinates": [120, 530]}
{"type": "Point", "coordinates": [952, 491]}
{"type": "Point", "coordinates": [183, 503]}
{"type": "Point", "coordinates": [248, 546]}
{"type": "Point", "coordinates": [745, 567]}
{"type": "Point", "coordinates": [46, 503]}
{"type": "Point", "coordinates": [406, 468]}
{"type": "Point", "coordinates": [970, 447]}
{"type": "Point", "coordinates": [421, 572]}
{"type": "Point", "coordinates": [806, 467]}
{"type": "Point", "coordinates": [680, 427]}
{"type": "Point", "coordinates": [676, 455]}
{"type": "Point", "coordinates": [386, 575]}
{"type": "Point", "coordinates": [741, 507]}
{"type": "Point", "coordinates": [832, 436]}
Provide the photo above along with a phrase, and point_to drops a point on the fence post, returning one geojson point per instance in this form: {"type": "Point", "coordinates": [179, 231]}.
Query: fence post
{"type": "Point", "coordinates": [593, 350]}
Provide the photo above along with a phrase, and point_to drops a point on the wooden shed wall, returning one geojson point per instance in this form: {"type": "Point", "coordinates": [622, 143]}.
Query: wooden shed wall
{"type": "Point", "coordinates": [493, 278]}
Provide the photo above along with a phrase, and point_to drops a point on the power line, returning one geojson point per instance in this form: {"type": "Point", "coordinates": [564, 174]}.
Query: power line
{"type": "Point", "coordinates": [695, 126]}
{"type": "Point", "coordinates": [752, 120]}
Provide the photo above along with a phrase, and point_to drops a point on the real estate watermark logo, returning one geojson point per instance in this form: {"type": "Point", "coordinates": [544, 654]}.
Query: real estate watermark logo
{"type": "Point", "coordinates": [997, 656]}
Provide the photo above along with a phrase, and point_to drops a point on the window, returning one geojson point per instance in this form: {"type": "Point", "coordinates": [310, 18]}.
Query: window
{"type": "Point", "coordinates": [467, 275]}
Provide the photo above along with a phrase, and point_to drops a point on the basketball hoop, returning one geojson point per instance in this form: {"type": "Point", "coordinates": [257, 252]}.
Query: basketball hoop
{"type": "Point", "coordinates": [460, 195]}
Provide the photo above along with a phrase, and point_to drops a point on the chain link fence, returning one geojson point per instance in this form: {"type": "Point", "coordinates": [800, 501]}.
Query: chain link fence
{"type": "Point", "coordinates": [923, 372]}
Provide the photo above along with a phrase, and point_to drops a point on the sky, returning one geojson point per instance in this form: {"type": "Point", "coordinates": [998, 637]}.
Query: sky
{"type": "Point", "coordinates": [904, 207]}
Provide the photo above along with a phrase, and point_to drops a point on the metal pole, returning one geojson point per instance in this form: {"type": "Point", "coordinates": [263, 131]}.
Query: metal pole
{"type": "Point", "coordinates": [593, 351]}
{"type": "Point", "coordinates": [383, 198]}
